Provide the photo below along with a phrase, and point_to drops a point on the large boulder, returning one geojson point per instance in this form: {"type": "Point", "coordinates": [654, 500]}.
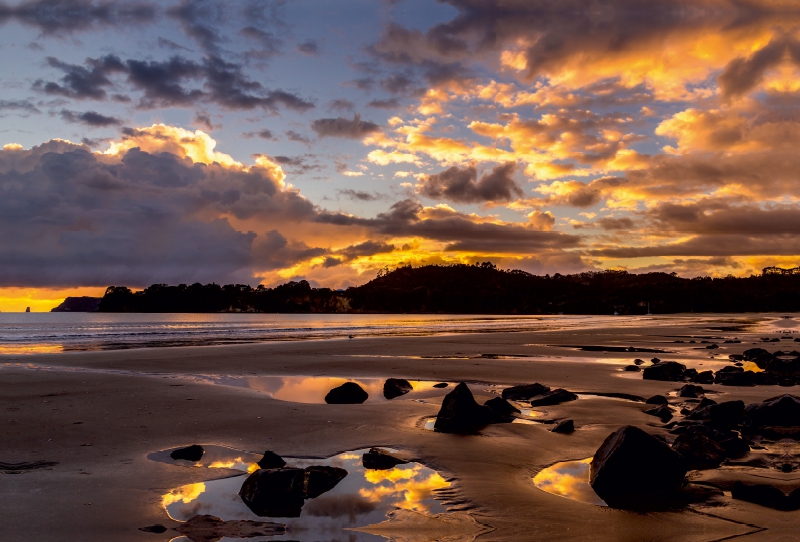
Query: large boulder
{"type": "Point", "coordinates": [777, 416]}
{"type": "Point", "coordinates": [665, 370]}
{"type": "Point", "coordinates": [725, 415]}
{"type": "Point", "coordinates": [192, 453]}
{"type": "Point", "coordinates": [525, 392]}
{"type": "Point", "coordinates": [554, 397]}
{"type": "Point", "coordinates": [734, 376]}
{"type": "Point", "coordinates": [661, 411]}
{"type": "Point", "coordinates": [282, 492]}
{"type": "Point", "coordinates": [380, 459]}
{"type": "Point", "coordinates": [395, 387]}
{"type": "Point", "coordinates": [691, 390]}
{"type": "Point", "coordinates": [504, 412]}
{"type": "Point", "coordinates": [348, 393]}
{"type": "Point", "coordinates": [657, 400]}
{"type": "Point", "coordinates": [635, 470]}
{"type": "Point", "coordinates": [460, 413]}
{"type": "Point", "coordinates": [699, 451]}
{"type": "Point", "coordinates": [271, 460]}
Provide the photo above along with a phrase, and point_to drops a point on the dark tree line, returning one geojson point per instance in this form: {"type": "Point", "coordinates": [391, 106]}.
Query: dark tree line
{"type": "Point", "coordinates": [479, 289]}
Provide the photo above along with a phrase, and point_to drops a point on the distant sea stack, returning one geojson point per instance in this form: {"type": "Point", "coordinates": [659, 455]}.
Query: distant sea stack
{"type": "Point", "coordinates": [78, 304]}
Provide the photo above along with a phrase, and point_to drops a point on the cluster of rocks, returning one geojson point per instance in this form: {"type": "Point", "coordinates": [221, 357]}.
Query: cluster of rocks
{"type": "Point", "coordinates": [461, 413]}
{"type": "Point", "coordinates": [777, 368]}
{"type": "Point", "coordinates": [635, 470]}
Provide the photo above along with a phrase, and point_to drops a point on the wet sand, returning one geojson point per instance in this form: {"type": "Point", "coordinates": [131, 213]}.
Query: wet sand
{"type": "Point", "coordinates": [100, 424]}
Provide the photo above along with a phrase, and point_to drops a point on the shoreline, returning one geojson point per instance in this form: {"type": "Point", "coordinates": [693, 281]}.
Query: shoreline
{"type": "Point", "coordinates": [125, 417]}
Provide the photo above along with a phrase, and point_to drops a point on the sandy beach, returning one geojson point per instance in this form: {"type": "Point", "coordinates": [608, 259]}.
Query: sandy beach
{"type": "Point", "coordinates": [98, 415]}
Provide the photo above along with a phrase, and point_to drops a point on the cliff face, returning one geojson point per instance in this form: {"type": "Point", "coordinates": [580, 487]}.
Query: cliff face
{"type": "Point", "coordinates": [78, 304]}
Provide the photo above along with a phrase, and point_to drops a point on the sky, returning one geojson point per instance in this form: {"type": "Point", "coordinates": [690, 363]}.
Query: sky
{"type": "Point", "coordinates": [263, 141]}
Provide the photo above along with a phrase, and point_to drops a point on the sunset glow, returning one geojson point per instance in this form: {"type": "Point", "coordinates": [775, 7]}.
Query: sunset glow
{"type": "Point", "coordinates": [544, 136]}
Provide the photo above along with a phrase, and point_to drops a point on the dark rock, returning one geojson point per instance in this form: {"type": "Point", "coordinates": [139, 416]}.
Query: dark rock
{"type": "Point", "coordinates": [734, 376]}
{"type": "Point", "coordinates": [271, 460]}
{"type": "Point", "coordinates": [564, 426]}
{"type": "Point", "coordinates": [690, 374]}
{"type": "Point", "coordinates": [735, 447]}
{"type": "Point", "coordinates": [157, 529]}
{"type": "Point", "coordinates": [282, 492]}
{"type": "Point", "coordinates": [662, 411]}
{"type": "Point", "coordinates": [348, 393]}
{"type": "Point", "coordinates": [504, 411]}
{"type": "Point", "coordinates": [712, 346]}
{"type": "Point", "coordinates": [777, 416]}
{"type": "Point", "coordinates": [704, 402]}
{"type": "Point", "coordinates": [690, 390]}
{"type": "Point", "coordinates": [766, 495]}
{"type": "Point", "coordinates": [441, 385]}
{"type": "Point", "coordinates": [632, 368]}
{"type": "Point", "coordinates": [395, 387]}
{"type": "Point", "coordinates": [783, 366]}
{"type": "Point", "coordinates": [655, 360]}
{"type": "Point", "coordinates": [703, 377]}
{"type": "Point", "coordinates": [525, 392]}
{"type": "Point", "coordinates": [657, 400]}
{"type": "Point", "coordinates": [380, 459]}
{"type": "Point", "coordinates": [555, 397]}
{"type": "Point", "coordinates": [638, 361]}
{"type": "Point", "coordinates": [634, 470]}
{"type": "Point", "coordinates": [460, 413]}
{"type": "Point", "coordinates": [192, 453]}
{"type": "Point", "coordinates": [726, 415]}
{"type": "Point", "coordinates": [321, 479]}
{"type": "Point", "coordinates": [211, 529]}
{"type": "Point", "coordinates": [666, 370]}
{"type": "Point", "coordinates": [699, 451]}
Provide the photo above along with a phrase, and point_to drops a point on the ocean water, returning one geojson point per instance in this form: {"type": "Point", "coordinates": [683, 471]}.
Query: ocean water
{"type": "Point", "coordinates": [22, 333]}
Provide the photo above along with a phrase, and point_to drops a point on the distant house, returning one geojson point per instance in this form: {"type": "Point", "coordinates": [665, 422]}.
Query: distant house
{"type": "Point", "coordinates": [780, 271]}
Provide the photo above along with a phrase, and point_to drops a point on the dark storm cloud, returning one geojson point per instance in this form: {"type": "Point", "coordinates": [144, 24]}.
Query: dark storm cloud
{"type": "Point", "coordinates": [70, 217]}
{"type": "Point", "coordinates": [309, 47]}
{"type": "Point", "coordinates": [23, 106]}
{"type": "Point", "coordinates": [461, 185]}
{"type": "Point", "coordinates": [291, 135]}
{"type": "Point", "coordinates": [459, 231]}
{"type": "Point", "coordinates": [341, 127]}
{"type": "Point", "coordinates": [165, 83]}
{"type": "Point", "coordinates": [743, 74]}
{"type": "Point", "coordinates": [719, 229]}
{"type": "Point", "coordinates": [358, 195]}
{"type": "Point", "coordinates": [66, 16]}
{"type": "Point", "coordinates": [263, 134]}
{"type": "Point", "coordinates": [83, 82]}
{"type": "Point", "coordinates": [367, 248]}
{"type": "Point", "coordinates": [392, 103]}
{"type": "Point", "coordinates": [297, 164]}
{"type": "Point", "coordinates": [274, 251]}
{"type": "Point", "coordinates": [89, 118]}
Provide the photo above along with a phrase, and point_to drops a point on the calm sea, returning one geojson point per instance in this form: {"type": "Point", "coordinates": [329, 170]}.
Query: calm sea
{"type": "Point", "coordinates": [22, 333]}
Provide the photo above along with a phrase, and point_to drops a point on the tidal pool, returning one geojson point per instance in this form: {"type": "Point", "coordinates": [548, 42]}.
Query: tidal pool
{"type": "Point", "coordinates": [568, 479]}
{"type": "Point", "coordinates": [362, 498]}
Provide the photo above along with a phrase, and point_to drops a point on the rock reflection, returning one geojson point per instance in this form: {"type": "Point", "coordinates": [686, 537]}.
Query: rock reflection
{"type": "Point", "coordinates": [568, 479]}
{"type": "Point", "coordinates": [364, 497]}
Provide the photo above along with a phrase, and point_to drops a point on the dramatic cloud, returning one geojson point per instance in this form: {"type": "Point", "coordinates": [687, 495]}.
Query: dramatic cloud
{"type": "Point", "coordinates": [89, 118]}
{"type": "Point", "coordinates": [463, 186]}
{"type": "Point", "coordinates": [66, 16]}
{"type": "Point", "coordinates": [341, 127]}
{"type": "Point", "coordinates": [164, 83]}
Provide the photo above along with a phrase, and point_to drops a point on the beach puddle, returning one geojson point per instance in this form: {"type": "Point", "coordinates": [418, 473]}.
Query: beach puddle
{"type": "Point", "coordinates": [214, 457]}
{"type": "Point", "coordinates": [312, 389]}
{"type": "Point", "coordinates": [569, 479]}
{"type": "Point", "coordinates": [363, 497]}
